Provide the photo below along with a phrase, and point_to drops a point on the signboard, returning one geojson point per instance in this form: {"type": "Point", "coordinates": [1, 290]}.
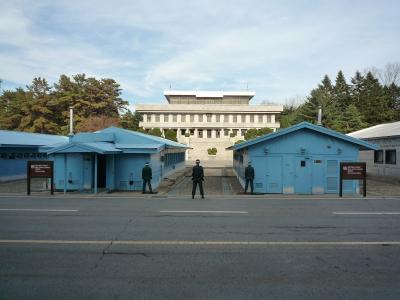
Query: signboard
{"type": "Point", "coordinates": [40, 169]}
{"type": "Point", "coordinates": [353, 171]}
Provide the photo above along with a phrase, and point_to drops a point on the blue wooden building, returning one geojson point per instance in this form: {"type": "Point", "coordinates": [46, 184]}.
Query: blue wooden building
{"type": "Point", "coordinates": [302, 159]}
{"type": "Point", "coordinates": [16, 148]}
{"type": "Point", "coordinates": [112, 159]}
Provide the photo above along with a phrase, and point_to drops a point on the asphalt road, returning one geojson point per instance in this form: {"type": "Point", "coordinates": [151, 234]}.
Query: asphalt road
{"type": "Point", "coordinates": [179, 248]}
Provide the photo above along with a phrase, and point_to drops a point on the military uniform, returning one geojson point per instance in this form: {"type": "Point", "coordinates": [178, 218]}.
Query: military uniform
{"type": "Point", "coordinates": [198, 178]}
{"type": "Point", "coordinates": [147, 175]}
{"type": "Point", "coordinates": [249, 176]}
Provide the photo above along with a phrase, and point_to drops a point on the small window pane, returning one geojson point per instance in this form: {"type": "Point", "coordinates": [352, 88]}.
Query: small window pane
{"type": "Point", "coordinates": [378, 156]}
{"type": "Point", "coordinates": [390, 157]}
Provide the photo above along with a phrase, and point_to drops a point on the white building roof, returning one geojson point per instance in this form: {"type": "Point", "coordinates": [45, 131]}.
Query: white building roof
{"type": "Point", "coordinates": [209, 94]}
{"type": "Point", "coordinates": [378, 131]}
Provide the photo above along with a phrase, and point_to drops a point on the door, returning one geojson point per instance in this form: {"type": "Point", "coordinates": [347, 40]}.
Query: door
{"type": "Point", "coordinates": [274, 175]}
{"type": "Point", "coordinates": [101, 171]}
{"type": "Point", "coordinates": [303, 178]}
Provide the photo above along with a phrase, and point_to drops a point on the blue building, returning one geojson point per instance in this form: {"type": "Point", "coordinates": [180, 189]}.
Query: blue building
{"type": "Point", "coordinates": [302, 159]}
{"type": "Point", "coordinates": [16, 148]}
{"type": "Point", "coordinates": [112, 159]}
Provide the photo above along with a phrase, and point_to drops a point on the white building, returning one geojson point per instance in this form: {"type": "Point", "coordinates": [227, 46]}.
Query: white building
{"type": "Point", "coordinates": [383, 162]}
{"type": "Point", "coordinates": [207, 119]}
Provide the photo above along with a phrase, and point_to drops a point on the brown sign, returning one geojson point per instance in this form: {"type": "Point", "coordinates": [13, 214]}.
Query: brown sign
{"type": "Point", "coordinates": [40, 169]}
{"type": "Point", "coordinates": [353, 170]}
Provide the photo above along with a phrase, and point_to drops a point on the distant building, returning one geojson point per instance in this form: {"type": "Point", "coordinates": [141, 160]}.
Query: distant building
{"type": "Point", "coordinates": [207, 119]}
{"type": "Point", "coordinates": [385, 161]}
{"type": "Point", "coordinates": [301, 159]}
{"type": "Point", "coordinates": [16, 148]}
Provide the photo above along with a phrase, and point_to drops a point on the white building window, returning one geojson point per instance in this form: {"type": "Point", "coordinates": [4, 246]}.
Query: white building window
{"type": "Point", "coordinates": [208, 118]}
{"type": "Point", "coordinates": [192, 118]}
{"type": "Point", "coordinates": [166, 118]}
{"type": "Point", "coordinates": [251, 118]}
{"type": "Point", "coordinates": [217, 118]}
{"type": "Point", "coordinates": [226, 132]}
{"type": "Point", "coordinates": [157, 118]}
{"type": "Point", "coordinates": [209, 133]}
{"type": "Point", "coordinates": [268, 118]}
{"type": "Point", "coordinates": [200, 133]}
{"type": "Point", "coordinates": [183, 118]}
{"type": "Point", "coordinates": [174, 118]}
{"type": "Point", "coordinates": [200, 118]}
{"type": "Point", "coordinates": [234, 118]}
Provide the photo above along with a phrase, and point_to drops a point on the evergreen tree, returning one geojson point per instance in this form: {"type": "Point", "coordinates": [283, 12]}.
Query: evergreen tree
{"type": "Point", "coordinates": [37, 109]}
{"type": "Point", "coordinates": [341, 92]}
{"type": "Point", "coordinates": [373, 102]}
{"type": "Point", "coordinates": [351, 120]}
{"type": "Point", "coordinates": [131, 120]}
{"type": "Point", "coordinates": [392, 93]}
{"type": "Point", "coordinates": [170, 135]}
{"type": "Point", "coordinates": [155, 132]}
{"type": "Point", "coordinates": [357, 88]}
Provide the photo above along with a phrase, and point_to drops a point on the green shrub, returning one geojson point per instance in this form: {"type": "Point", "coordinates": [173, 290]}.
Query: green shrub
{"type": "Point", "coordinates": [212, 151]}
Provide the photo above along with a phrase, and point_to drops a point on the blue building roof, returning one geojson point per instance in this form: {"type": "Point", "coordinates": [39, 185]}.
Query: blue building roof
{"type": "Point", "coordinates": [115, 140]}
{"type": "Point", "coordinates": [363, 145]}
{"type": "Point", "coordinates": [27, 139]}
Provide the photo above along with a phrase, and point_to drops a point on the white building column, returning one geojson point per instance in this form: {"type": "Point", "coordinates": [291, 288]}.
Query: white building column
{"type": "Point", "coordinates": [273, 119]}
{"type": "Point", "coordinates": [161, 118]}
{"type": "Point", "coordinates": [213, 134]}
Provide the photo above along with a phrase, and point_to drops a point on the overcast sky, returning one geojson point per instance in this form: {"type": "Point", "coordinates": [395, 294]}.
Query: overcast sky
{"type": "Point", "coordinates": [280, 49]}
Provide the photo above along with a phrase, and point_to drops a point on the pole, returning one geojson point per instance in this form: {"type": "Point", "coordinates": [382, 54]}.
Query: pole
{"type": "Point", "coordinates": [71, 121]}
{"type": "Point", "coordinates": [28, 181]}
{"type": "Point", "coordinates": [65, 173]}
{"type": "Point", "coordinates": [95, 173]}
{"type": "Point", "coordinates": [52, 178]}
{"type": "Point", "coordinates": [341, 182]}
{"type": "Point", "coordinates": [364, 179]}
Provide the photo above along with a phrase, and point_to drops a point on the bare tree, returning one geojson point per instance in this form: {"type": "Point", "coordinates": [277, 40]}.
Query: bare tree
{"type": "Point", "coordinates": [390, 74]}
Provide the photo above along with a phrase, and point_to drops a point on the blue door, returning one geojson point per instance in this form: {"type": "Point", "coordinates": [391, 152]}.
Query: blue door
{"type": "Point", "coordinates": [274, 174]}
{"type": "Point", "coordinates": [303, 178]}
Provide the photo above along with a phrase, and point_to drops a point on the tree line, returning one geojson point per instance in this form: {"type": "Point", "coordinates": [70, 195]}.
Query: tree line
{"type": "Point", "coordinates": [371, 98]}
{"type": "Point", "coordinates": [44, 108]}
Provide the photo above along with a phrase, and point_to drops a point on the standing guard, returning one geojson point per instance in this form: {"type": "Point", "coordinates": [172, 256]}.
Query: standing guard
{"type": "Point", "coordinates": [249, 176]}
{"type": "Point", "coordinates": [198, 178]}
{"type": "Point", "coordinates": [146, 176]}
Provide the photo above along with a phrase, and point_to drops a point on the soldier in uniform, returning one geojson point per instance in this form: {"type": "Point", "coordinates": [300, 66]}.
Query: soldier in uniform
{"type": "Point", "coordinates": [249, 176]}
{"type": "Point", "coordinates": [198, 178]}
{"type": "Point", "coordinates": [146, 176]}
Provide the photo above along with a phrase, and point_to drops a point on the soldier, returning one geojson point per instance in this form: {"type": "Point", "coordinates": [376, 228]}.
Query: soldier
{"type": "Point", "coordinates": [146, 176]}
{"type": "Point", "coordinates": [197, 177]}
{"type": "Point", "coordinates": [249, 175]}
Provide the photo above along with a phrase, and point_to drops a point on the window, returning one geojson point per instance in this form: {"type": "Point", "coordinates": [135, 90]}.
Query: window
{"type": "Point", "coordinates": [217, 118]}
{"type": "Point", "coordinates": [174, 118]}
{"type": "Point", "coordinates": [166, 118]}
{"type": "Point", "coordinates": [191, 131]}
{"type": "Point", "coordinates": [226, 132]}
{"type": "Point", "coordinates": [259, 118]}
{"type": "Point", "coordinates": [208, 118]}
{"type": "Point", "coordinates": [243, 132]}
{"type": "Point", "coordinates": [268, 118]}
{"type": "Point", "coordinates": [251, 118]}
{"type": "Point", "coordinates": [157, 118]}
{"type": "Point", "coordinates": [378, 156]}
{"type": "Point", "coordinates": [200, 133]}
{"type": "Point", "coordinates": [217, 134]}
{"type": "Point", "coordinates": [183, 118]}
{"type": "Point", "coordinates": [3, 155]}
{"type": "Point", "coordinates": [200, 118]}
{"type": "Point", "coordinates": [390, 157]}
{"type": "Point", "coordinates": [209, 133]}
{"type": "Point", "coordinates": [235, 118]}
